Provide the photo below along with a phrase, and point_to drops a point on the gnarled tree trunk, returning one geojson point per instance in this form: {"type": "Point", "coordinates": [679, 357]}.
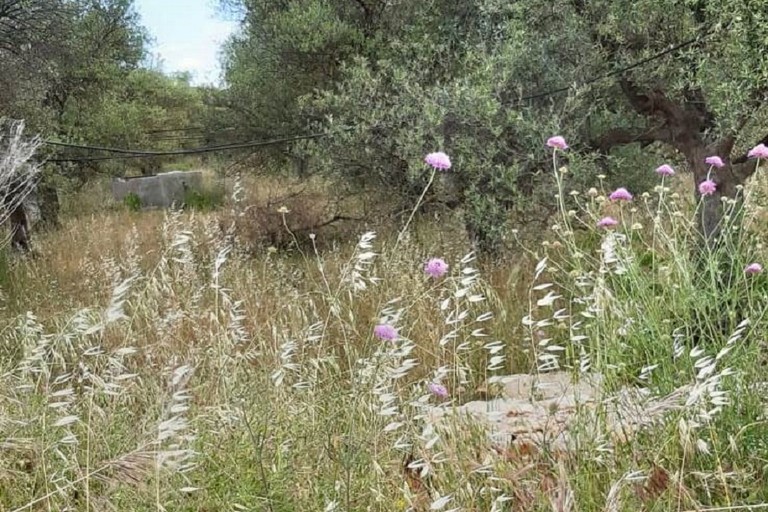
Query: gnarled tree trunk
{"type": "Point", "coordinates": [683, 125]}
{"type": "Point", "coordinates": [19, 229]}
{"type": "Point", "coordinates": [727, 197]}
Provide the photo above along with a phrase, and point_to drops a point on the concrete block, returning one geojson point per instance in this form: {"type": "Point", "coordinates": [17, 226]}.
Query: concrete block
{"type": "Point", "coordinates": [159, 190]}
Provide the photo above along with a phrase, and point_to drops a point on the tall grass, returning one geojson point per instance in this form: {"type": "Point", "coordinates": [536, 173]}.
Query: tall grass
{"type": "Point", "coordinates": [148, 365]}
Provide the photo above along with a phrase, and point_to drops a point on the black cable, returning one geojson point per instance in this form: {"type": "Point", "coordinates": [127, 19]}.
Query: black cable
{"type": "Point", "coordinates": [139, 154]}
{"type": "Point", "coordinates": [630, 67]}
{"type": "Point", "coordinates": [142, 154]}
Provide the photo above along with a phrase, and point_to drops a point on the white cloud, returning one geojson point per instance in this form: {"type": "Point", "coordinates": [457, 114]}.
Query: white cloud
{"type": "Point", "coordinates": [201, 57]}
{"type": "Point", "coordinates": [187, 36]}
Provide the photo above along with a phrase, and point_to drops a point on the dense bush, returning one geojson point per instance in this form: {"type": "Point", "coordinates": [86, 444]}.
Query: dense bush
{"type": "Point", "coordinates": [208, 198]}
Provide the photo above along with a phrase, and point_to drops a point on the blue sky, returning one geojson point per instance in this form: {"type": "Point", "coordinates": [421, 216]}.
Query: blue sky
{"type": "Point", "coordinates": [187, 35]}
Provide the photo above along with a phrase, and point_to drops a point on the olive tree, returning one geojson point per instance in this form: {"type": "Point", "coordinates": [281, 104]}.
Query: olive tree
{"type": "Point", "coordinates": [488, 81]}
{"type": "Point", "coordinates": [450, 77]}
{"type": "Point", "coordinates": [705, 98]}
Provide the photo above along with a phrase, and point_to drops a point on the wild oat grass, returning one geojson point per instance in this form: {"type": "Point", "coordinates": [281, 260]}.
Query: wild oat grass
{"type": "Point", "coordinates": [147, 364]}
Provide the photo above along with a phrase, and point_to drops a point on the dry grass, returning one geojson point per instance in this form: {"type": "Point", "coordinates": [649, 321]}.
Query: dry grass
{"type": "Point", "coordinates": [146, 365]}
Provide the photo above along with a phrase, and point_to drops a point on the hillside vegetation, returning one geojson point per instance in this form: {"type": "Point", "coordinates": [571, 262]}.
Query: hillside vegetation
{"type": "Point", "coordinates": [477, 256]}
{"type": "Point", "coordinates": [149, 364]}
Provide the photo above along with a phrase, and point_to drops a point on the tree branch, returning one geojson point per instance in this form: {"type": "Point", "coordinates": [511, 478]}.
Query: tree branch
{"type": "Point", "coordinates": [696, 102]}
{"type": "Point", "coordinates": [652, 103]}
{"type": "Point", "coordinates": [744, 158]}
{"type": "Point", "coordinates": [744, 170]}
{"type": "Point", "coordinates": [621, 136]}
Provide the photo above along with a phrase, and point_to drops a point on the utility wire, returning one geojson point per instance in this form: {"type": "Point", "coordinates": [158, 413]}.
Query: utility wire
{"type": "Point", "coordinates": [630, 67]}
{"type": "Point", "coordinates": [141, 151]}
{"type": "Point", "coordinates": [129, 153]}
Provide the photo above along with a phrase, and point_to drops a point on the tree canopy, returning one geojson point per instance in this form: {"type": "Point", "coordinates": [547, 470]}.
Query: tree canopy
{"type": "Point", "coordinates": [77, 71]}
{"type": "Point", "coordinates": [628, 82]}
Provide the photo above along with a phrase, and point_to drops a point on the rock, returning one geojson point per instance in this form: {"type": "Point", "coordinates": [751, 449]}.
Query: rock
{"type": "Point", "coordinates": [544, 410]}
{"type": "Point", "coordinates": [160, 190]}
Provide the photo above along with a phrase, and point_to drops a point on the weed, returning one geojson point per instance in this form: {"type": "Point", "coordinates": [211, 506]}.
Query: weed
{"type": "Point", "coordinates": [204, 200]}
{"type": "Point", "coordinates": [132, 201]}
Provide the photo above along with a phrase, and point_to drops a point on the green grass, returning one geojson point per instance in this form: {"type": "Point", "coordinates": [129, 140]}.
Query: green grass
{"type": "Point", "coordinates": [206, 199]}
{"type": "Point", "coordinates": [132, 202]}
{"type": "Point", "coordinates": [160, 368]}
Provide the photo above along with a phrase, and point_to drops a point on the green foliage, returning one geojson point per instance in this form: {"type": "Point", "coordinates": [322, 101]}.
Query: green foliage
{"type": "Point", "coordinates": [446, 82]}
{"type": "Point", "coordinates": [142, 111]}
{"type": "Point", "coordinates": [86, 80]}
{"type": "Point", "coordinates": [132, 201]}
{"type": "Point", "coordinates": [284, 51]}
{"type": "Point", "coordinates": [206, 199]}
{"type": "Point", "coordinates": [392, 81]}
{"type": "Point", "coordinates": [76, 50]}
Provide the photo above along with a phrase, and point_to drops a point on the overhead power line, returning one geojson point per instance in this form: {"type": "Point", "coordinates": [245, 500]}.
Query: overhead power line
{"type": "Point", "coordinates": [621, 71]}
{"type": "Point", "coordinates": [130, 153]}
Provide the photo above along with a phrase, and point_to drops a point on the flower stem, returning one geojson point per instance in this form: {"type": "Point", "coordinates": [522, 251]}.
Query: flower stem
{"type": "Point", "coordinates": [560, 192]}
{"type": "Point", "coordinates": [418, 203]}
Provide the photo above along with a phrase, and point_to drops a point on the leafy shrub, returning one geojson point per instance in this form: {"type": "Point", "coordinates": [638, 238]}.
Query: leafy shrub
{"type": "Point", "coordinates": [205, 199]}
{"type": "Point", "coordinates": [132, 201]}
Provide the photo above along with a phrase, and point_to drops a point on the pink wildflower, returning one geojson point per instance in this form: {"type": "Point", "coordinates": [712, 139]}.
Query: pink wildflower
{"type": "Point", "coordinates": [665, 170]}
{"type": "Point", "coordinates": [557, 142]}
{"type": "Point", "coordinates": [385, 332]}
{"type": "Point", "coordinates": [436, 267]}
{"type": "Point", "coordinates": [759, 151]}
{"type": "Point", "coordinates": [620, 194]}
{"type": "Point", "coordinates": [438, 160]}
{"type": "Point", "coordinates": [438, 390]}
{"type": "Point", "coordinates": [714, 161]}
{"type": "Point", "coordinates": [707, 187]}
{"type": "Point", "coordinates": [753, 268]}
{"type": "Point", "coordinates": [607, 222]}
